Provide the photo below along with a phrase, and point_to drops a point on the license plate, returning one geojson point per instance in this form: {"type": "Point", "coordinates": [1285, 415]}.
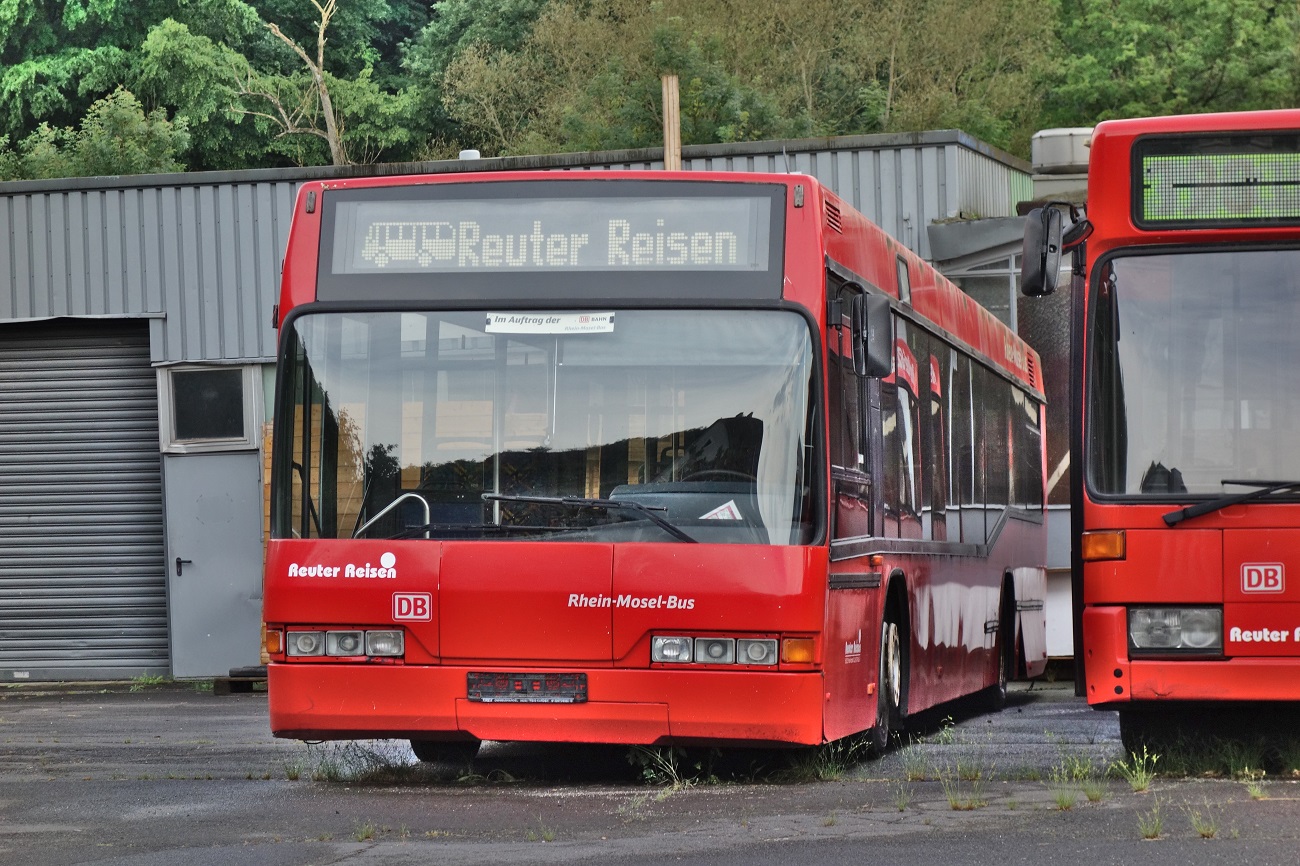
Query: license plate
{"type": "Point", "coordinates": [492, 688]}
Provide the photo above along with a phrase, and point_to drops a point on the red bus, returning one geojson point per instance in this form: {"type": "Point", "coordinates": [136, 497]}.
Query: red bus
{"type": "Point", "coordinates": [1185, 319]}
{"type": "Point", "coordinates": [643, 458]}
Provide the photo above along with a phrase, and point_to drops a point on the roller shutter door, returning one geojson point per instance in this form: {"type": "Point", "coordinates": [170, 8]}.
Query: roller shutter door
{"type": "Point", "coordinates": [82, 573]}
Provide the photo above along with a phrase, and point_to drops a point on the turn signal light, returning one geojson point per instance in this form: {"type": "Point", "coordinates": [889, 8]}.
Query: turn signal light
{"type": "Point", "coordinates": [1102, 545]}
{"type": "Point", "coordinates": [797, 650]}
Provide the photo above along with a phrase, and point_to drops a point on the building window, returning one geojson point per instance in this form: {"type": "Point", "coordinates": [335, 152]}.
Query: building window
{"type": "Point", "coordinates": [992, 285]}
{"type": "Point", "coordinates": [209, 408]}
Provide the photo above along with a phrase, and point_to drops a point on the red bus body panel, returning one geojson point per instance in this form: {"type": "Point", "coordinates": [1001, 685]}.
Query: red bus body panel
{"type": "Point", "coordinates": [537, 607]}
{"type": "Point", "coordinates": [541, 606]}
{"type": "Point", "coordinates": [1207, 562]}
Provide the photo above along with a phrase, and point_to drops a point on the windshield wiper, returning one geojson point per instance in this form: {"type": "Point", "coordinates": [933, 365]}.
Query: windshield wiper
{"type": "Point", "coordinates": [615, 504]}
{"type": "Point", "coordinates": [1263, 488]}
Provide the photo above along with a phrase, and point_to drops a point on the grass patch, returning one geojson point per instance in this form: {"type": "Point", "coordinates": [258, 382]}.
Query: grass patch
{"type": "Point", "coordinates": [830, 762]}
{"type": "Point", "coordinates": [1138, 770]}
{"type": "Point", "coordinates": [1151, 824]}
{"type": "Point", "coordinates": [963, 784]}
{"type": "Point", "coordinates": [1204, 823]}
{"type": "Point", "coordinates": [144, 681]}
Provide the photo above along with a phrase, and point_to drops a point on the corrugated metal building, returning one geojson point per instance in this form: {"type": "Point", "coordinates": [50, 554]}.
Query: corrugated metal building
{"type": "Point", "coordinates": [136, 353]}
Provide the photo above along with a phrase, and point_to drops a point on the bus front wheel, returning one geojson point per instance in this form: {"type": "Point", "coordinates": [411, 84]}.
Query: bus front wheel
{"type": "Point", "coordinates": [890, 686]}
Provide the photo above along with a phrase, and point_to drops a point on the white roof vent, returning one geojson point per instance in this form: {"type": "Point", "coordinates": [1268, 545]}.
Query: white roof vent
{"type": "Point", "coordinates": [1061, 151]}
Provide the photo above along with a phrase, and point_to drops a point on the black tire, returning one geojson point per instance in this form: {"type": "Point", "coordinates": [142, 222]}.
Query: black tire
{"type": "Point", "coordinates": [891, 685]}
{"type": "Point", "coordinates": [457, 753]}
{"type": "Point", "coordinates": [1005, 651]}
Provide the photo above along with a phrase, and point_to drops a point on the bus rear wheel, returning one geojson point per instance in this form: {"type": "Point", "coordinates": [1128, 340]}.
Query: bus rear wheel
{"type": "Point", "coordinates": [457, 753]}
{"type": "Point", "coordinates": [1005, 653]}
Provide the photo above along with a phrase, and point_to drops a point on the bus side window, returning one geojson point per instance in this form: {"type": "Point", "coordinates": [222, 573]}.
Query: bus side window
{"type": "Point", "coordinates": [992, 396]}
{"type": "Point", "coordinates": [965, 480]}
{"type": "Point", "coordinates": [852, 504]}
{"type": "Point", "coordinates": [935, 444]}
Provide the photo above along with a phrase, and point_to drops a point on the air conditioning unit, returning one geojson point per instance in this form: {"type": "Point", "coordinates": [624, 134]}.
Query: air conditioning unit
{"type": "Point", "coordinates": [1061, 151]}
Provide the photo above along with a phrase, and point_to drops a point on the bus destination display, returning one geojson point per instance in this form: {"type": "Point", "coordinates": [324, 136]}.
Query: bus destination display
{"type": "Point", "coordinates": [714, 233]}
{"type": "Point", "coordinates": [1195, 183]}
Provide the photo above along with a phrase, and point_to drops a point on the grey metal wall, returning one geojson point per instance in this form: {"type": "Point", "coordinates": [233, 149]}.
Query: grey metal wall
{"type": "Point", "coordinates": [200, 259]}
{"type": "Point", "coordinates": [199, 254]}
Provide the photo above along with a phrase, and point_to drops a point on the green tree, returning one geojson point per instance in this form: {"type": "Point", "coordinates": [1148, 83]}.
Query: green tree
{"type": "Point", "coordinates": [196, 75]}
{"type": "Point", "coordinates": [116, 137]}
{"type": "Point", "coordinates": [471, 31]}
{"type": "Point", "coordinates": [1131, 58]}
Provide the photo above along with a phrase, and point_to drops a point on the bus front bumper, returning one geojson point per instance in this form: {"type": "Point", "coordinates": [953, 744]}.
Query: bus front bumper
{"type": "Point", "coordinates": [1114, 681]}
{"type": "Point", "coordinates": [637, 707]}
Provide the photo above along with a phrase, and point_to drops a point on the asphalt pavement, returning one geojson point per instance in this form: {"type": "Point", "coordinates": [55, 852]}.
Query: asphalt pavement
{"type": "Point", "coordinates": [173, 773]}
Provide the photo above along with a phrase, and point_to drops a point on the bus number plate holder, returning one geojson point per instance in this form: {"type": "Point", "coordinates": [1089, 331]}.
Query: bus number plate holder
{"type": "Point", "coordinates": [508, 688]}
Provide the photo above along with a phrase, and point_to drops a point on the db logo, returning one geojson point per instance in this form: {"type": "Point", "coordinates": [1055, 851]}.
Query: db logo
{"type": "Point", "coordinates": [1262, 577]}
{"type": "Point", "coordinates": [413, 606]}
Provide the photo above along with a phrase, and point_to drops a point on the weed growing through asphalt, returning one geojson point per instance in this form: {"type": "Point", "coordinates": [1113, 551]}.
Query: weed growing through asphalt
{"type": "Point", "coordinates": [826, 763]}
{"type": "Point", "coordinates": [1138, 771]}
{"type": "Point", "coordinates": [1255, 784]}
{"type": "Point", "coordinates": [1203, 823]}
{"type": "Point", "coordinates": [669, 766]}
{"type": "Point", "coordinates": [1065, 798]}
{"type": "Point", "coordinates": [1093, 789]}
{"type": "Point", "coordinates": [541, 834]}
{"type": "Point", "coordinates": [1151, 824]}
{"type": "Point", "coordinates": [947, 732]}
{"type": "Point", "coordinates": [1076, 767]}
{"type": "Point", "coordinates": [963, 785]}
{"type": "Point", "coordinates": [364, 832]}
{"type": "Point", "coordinates": [634, 809]}
{"type": "Point", "coordinates": [140, 683]}
{"type": "Point", "coordinates": [903, 797]}
{"type": "Point", "coordinates": [1074, 775]}
{"type": "Point", "coordinates": [914, 766]}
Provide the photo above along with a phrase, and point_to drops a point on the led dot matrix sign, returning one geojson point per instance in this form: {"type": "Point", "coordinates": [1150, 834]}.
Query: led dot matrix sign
{"type": "Point", "coordinates": [1220, 181]}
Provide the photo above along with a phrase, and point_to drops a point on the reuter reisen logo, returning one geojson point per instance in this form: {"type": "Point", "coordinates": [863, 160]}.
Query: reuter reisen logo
{"type": "Point", "coordinates": [1263, 577]}
{"type": "Point", "coordinates": [387, 569]}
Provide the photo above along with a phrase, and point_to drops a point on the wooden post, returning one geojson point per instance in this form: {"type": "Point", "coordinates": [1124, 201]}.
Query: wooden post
{"type": "Point", "coordinates": [672, 125]}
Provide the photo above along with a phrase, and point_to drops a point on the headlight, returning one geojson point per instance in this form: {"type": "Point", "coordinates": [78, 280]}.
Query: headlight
{"type": "Point", "coordinates": [384, 643]}
{"type": "Point", "coordinates": [715, 650]}
{"type": "Point", "coordinates": [750, 651]}
{"type": "Point", "coordinates": [670, 649]}
{"type": "Point", "coordinates": [306, 643]}
{"type": "Point", "coordinates": [343, 643]}
{"type": "Point", "coordinates": [1177, 630]}
{"type": "Point", "coordinates": [712, 650]}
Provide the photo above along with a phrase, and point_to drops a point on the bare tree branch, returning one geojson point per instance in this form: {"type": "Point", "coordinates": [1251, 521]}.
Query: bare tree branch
{"type": "Point", "coordinates": [288, 120]}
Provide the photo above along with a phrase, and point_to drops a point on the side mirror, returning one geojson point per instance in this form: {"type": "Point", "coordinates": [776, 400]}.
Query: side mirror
{"type": "Point", "coordinates": [873, 336]}
{"type": "Point", "coordinates": [1040, 263]}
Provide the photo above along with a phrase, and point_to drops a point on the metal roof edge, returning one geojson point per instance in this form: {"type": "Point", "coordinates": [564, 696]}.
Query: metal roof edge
{"type": "Point", "coordinates": [299, 174]}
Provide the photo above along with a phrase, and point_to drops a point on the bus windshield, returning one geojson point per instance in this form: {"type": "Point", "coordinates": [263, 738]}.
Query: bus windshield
{"type": "Point", "coordinates": [1192, 372]}
{"type": "Point", "coordinates": [496, 424]}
